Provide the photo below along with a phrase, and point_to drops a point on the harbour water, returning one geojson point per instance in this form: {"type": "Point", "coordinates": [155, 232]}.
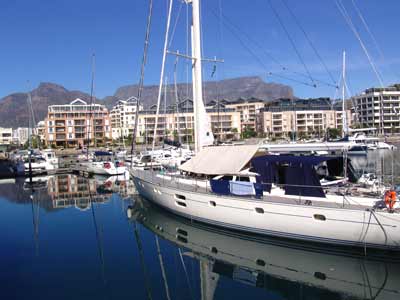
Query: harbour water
{"type": "Point", "coordinates": [75, 238]}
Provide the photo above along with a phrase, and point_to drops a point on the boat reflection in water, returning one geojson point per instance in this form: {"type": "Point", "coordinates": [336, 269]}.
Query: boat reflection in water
{"type": "Point", "coordinates": [276, 265]}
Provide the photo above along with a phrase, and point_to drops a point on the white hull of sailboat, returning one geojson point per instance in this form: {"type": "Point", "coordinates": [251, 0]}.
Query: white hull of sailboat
{"type": "Point", "coordinates": [292, 262]}
{"type": "Point", "coordinates": [341, 226]}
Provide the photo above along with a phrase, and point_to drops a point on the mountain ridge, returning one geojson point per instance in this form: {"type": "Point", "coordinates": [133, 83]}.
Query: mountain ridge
{"type": "Point", "coordinates": [14, 109]}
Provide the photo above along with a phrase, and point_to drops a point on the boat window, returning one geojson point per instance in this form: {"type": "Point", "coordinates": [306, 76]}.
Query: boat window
{"type": "Point", "coordinates": [259, 210]}
{"type": "Point", "coordinates": [181, 203]}
{"type": "Point", "coordinates": [214, 250]}
{"type": "Point", "coordinates": [260, 262]}
{"type": "Point", "coordinates": [180, 197]}
{"type": "Point", "coordinates": [181, 231]}
{"type": "Point", "coordinates": [181, 239]}
{"type": "Point", "coordinates": [246, 179]}
{"type": "Point", "coordinates": [229, 178]}
{"type": "Point", "coordinates": [320, 275]}
{"type": "Point", "coordinates": [212, 203]}
{"type": "Point", "coordinates": [319, 217]}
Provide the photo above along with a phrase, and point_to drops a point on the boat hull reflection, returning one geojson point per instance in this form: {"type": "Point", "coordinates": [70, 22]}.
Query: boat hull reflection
{"type": "Point", "coordinates": [270, 260]}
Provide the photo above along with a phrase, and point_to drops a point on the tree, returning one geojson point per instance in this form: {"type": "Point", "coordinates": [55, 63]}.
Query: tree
{"type": "Point", "coordinates": [248, 132]}
{"type": "Point", "coordinates": [333, 133]}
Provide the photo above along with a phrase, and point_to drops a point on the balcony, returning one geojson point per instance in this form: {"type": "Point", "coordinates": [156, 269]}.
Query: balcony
{"type": "Point", "coordinates": [60, 136]}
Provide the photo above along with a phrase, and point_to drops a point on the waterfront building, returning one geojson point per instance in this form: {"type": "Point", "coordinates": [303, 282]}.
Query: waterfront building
{"type": "Point", "coordinates": [21, 135]}
{"type": "Point", "coordinates": [174, 123]}
{"type": "Point", "coordinates": [378, 108]}
{"type": "Point", "coordinates": [248, 109]}
{"type": "Point", "coordinates": [123, 117]}
{"type": "Point", "coordinates": [6, 136]}
{"type": "Point", "coordinates": [306, 117]}
{"type": "Point", "coordinates": [41, 130]}
{"type": "Point", "coordinates": [77, 124]}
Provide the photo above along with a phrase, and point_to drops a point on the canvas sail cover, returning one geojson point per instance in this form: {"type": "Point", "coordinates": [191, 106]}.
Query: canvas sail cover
{"type": "Point", "coordinates": [220, 160]}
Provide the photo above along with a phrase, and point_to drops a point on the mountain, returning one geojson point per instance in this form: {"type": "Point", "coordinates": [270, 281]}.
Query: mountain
{"type": "Point", "coordinates": [230, 89]}
{"type": "Point", "coordinates": [14, 109]}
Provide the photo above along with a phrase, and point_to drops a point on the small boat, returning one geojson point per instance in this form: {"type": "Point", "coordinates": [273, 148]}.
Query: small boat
{"type": "Point", "coordinates": [103, 164]}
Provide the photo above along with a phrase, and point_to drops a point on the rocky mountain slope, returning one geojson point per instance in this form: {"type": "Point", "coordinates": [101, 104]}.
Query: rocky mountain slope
{"type": "Point", "coordinates": [14, 109]}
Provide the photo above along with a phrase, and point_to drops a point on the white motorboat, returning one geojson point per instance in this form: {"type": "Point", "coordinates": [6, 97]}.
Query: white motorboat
{"type": "Point", "coordinates": [257, 261]}
{"type": "Point", "coordinates": [41, 162]}
{"type": "Point", "coordinates": [297, 211]}
{"type": "Point", "coordinates": [103, 164]}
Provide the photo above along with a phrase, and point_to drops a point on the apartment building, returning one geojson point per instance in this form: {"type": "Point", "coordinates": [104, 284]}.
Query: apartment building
{"type": "Point", "coordinates": [21, 135]}
{"type": "Point", "coordinates": [77, 124]}
{"type": "Point", "coordinates": [378, 108]}
{"type": "Point", "coordinates": [6, 136]}
{"type": "Point", "coordinates": [175, 123]}
{"type": "Point", "coordinates": [123, 117]}
{"type": "Point", "coordinates": [309, 117]}
{"type": "Point", "coordinates": [248, 109]}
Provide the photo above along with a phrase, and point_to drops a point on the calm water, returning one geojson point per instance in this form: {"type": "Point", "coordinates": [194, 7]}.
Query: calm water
{"type": "Point", "coordinates": [95, 239]}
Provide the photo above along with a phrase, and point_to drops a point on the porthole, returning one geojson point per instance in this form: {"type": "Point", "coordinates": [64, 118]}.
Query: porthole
{"type": "Point", "coordinates": [212, 203]}
{"type": "Point", "coordinates": [181, 239]}
{"type": "Point", "coordinates": [260, 262]}
{"type": "Point", "coordinates": [259, 210]}
{"type": "Point", "coordinates": [214, 250]}
{"type": "Point", "coordinates": [180, 203]}
{"type": "Point", "coordinates": [180, 197]}
{"type": "Point", "coordinates": [320, 275]}
{"type": "Point", "coordinates": [319, 217]}
{"type": "Point", "coordinates": [181, 231]}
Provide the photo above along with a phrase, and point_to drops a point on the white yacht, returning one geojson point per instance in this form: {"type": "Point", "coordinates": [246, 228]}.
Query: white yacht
{"type": "Point", "coordinates": [299, 211]}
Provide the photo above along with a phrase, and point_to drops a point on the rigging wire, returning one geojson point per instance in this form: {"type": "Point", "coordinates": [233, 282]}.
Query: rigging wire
{"type": "Point", "coordinates": [235, 31]}
{"type": "Point", "coordinates": [296, 20]}
{"type": "Point", "coordinates": [367, 28]}
{"type": "Point", "coordinates": [291, 40]}
{"type": "Point", "coordinates": [175, 24]}
{"type": "Point", "coordinates": [141, 81]}
{"type": "Point", "coordinates": [231, 29]}
{"type": "Point", "coordinates": [351, 25]}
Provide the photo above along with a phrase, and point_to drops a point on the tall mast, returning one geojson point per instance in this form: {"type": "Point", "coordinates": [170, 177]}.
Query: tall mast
{"type": "Point", "coordinates": [196, 70]}
{"type": "Point", "coordinates": [344, 129]}
{"type": "Point", "coordinates": [162, 72]}
{"type": "Point", "coordinates": [142, 69]}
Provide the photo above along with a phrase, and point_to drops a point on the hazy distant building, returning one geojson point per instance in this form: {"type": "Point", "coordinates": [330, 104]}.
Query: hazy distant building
{"type": "Point", "coordinates": [77, 124]}
{"type": "Point", "coordinates": [178, 123]}
{"type": "Point", "coordinates": [311, 117]}
{"type": "Point", "coordinates": [123, 117]}
{"type": "Point", "coordinates": [21, 135]}
{"type": "Point", "coordinates": [6, 136]}
{"type": "Point", "coordinates": [379, 108]}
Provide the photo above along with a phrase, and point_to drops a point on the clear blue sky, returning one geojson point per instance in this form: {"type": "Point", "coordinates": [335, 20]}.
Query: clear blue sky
{"type": "Point", "coordinates": [52, 41]}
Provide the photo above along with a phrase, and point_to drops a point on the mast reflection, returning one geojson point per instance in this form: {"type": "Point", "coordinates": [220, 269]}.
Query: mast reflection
{"type": "Point", "coordinates": [275, 265]}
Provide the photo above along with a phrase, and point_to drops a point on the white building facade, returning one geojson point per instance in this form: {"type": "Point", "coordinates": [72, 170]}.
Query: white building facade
{"type": "Point", "coordinates": [379, 108]}
{"type": "Point", "coordinates": [6, 136]}
{"type": "Point", "coordinates": [122, 117]}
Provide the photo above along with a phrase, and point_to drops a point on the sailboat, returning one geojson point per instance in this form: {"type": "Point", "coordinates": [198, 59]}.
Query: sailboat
{"type": "Point", "coordinates": [216, 189]}
{"type": "Point", "coordinates": [273, 264]}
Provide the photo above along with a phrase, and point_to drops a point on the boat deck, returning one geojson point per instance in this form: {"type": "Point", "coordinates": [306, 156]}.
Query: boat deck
{"type": "Point", "coordinates": [202, 186]}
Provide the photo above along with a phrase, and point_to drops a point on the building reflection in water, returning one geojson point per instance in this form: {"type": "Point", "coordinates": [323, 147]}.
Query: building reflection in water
{"type": "Point", "coordinates": [279, 266]}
